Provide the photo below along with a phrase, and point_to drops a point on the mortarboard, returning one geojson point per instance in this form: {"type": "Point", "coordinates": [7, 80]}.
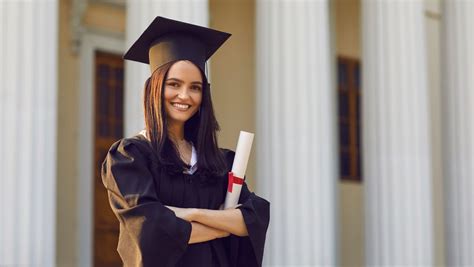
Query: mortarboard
{"type": "Point", "coordinates": [166, 40]}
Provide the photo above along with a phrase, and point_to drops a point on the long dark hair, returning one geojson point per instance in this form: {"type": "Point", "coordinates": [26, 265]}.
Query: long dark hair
{"type": "Point", "coordinates": [201, 128]}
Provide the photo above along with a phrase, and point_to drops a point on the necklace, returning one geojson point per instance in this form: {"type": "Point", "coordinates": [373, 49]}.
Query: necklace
{"type": "Point", "coordinates": [184, 150]}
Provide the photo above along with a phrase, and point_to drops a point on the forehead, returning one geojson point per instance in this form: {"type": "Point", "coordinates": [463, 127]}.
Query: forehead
{"type": "Point", "coordinates": [185, 70]}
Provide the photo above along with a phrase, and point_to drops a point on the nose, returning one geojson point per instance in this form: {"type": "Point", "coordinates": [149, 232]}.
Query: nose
{"type": "Point", "coordinates": [183, 94]}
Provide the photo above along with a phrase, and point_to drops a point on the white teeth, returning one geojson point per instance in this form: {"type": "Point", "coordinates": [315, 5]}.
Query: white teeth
{"type": "Point", "coordinates": [181, 106]}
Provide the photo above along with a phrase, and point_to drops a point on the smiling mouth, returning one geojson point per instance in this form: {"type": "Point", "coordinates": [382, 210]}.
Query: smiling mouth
{"type": "Point", "coordinates": [182, 107]}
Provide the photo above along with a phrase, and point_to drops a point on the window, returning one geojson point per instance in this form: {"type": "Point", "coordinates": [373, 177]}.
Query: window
{"type": "Point", "coordinates": [348, 93]}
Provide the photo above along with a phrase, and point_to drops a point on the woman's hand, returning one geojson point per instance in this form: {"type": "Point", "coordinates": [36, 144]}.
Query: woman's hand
{"type": "Point", "coordinates": [187, 214]}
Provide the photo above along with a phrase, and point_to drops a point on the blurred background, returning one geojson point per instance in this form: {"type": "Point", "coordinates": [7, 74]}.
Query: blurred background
{"type": "Point", "coordinates": [362, 110]}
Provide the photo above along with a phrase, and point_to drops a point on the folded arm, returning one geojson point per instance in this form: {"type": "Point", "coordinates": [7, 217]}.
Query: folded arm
{"type": "Point", "coordinates": [229, 220]}
{"type": "Point", "coordinates": [202, 233]}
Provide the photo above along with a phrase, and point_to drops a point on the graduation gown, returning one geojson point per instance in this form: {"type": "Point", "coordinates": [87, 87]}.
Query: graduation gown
{"type": "Point", "coordinates": [151, 234]}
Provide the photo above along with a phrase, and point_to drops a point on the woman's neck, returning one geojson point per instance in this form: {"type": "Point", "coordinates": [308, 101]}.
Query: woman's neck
{"type": "Point", "coordinates": [176, 132]}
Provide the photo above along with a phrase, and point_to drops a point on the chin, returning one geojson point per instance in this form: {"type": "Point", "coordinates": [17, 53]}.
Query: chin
{"type": "Point", "coordinates": [181, 118]}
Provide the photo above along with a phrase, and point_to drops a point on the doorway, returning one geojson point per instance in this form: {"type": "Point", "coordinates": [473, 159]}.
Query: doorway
{"type": "Point", "coordinates": [108, 128]}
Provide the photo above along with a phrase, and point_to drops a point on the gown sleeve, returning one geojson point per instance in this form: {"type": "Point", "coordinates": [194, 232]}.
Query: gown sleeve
{"type": "Point", "coordinates": [150, 233]}
{"type": "Point", "coordinates": [248, 251]}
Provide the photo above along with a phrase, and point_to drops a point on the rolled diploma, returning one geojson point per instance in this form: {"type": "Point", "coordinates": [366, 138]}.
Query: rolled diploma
{"type": "Point", "coordinates": [239, 167]}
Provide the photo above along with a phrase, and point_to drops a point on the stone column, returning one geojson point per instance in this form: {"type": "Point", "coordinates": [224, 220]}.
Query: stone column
{"type": "Point", "coordinates": [295, 131]}
{"type": "Point", "coordinates": [140, 13]}
{"type": "Point", "coordinates": [396, 151]}
{"type": "Point", "coordinates": [28, 104]}
{"type": "Point", "coordinates": [458, 129]}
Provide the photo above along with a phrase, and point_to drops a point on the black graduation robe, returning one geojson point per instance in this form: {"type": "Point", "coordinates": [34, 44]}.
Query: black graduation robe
{"type": "Point", "coordinates": [151, 234]}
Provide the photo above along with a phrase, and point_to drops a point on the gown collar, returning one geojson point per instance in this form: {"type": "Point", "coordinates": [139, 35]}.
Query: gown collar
{"type": "Point", "coordinates": [193, 162]}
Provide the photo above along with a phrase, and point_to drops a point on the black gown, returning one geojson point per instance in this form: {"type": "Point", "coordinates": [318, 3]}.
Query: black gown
{"type": "Point", "coordinates": [151, 234]}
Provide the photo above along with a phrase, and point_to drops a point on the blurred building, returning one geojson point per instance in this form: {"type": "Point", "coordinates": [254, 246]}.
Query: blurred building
{"type": "Point", "coordinates": [362, 111]}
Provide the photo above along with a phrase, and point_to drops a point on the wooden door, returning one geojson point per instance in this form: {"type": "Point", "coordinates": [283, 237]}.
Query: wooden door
{"type": "Point", "coordinates": [108, 129]}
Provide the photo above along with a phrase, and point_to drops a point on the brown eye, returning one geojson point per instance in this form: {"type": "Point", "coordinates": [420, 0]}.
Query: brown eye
{"type": "Point", "coordinates": [173, 84]}
{"type": "Point", "coordinates": [196, 87]}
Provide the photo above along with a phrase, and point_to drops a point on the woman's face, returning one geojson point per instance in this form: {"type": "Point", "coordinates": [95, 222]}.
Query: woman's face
{"type": "Point", "coordinates": [183, 91]}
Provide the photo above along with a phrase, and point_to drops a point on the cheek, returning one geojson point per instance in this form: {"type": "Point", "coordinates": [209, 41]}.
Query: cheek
{"type": "Point", "coordinates": [199, 100]}
{"type": "Point", "coordinates": [167, 95]}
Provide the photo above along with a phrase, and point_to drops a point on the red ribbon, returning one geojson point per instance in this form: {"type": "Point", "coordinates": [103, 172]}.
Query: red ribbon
{"type": "Point", "coordinates": [233, 180]}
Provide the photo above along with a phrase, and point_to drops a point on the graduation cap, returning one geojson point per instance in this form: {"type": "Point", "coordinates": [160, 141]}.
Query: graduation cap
{"type": "Point", "coordinates": [167, 40]}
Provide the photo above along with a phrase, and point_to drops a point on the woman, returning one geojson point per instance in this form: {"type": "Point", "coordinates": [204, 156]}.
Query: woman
{"type": "Point", "coordinates": [167, 184]}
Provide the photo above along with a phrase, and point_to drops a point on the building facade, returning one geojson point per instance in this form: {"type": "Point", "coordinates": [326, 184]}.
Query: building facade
{"type": "Point", "coordinates": [361, 111]}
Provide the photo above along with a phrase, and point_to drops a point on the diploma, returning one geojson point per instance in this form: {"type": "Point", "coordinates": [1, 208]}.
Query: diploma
{"type": "Point", "coordinates": [239, 167]}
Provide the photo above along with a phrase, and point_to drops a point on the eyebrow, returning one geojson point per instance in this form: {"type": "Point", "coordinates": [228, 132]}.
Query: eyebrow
{"type": "Point", "coordinates": [178, 80]}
